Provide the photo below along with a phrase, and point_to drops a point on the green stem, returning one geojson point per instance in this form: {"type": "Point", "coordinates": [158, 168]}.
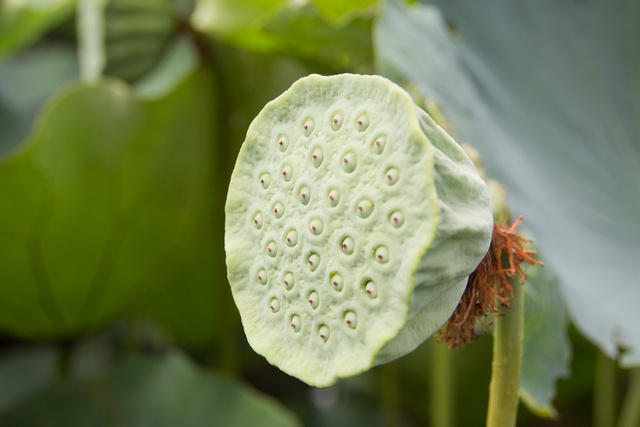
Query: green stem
{"type": "Point", "coordinates": [507, 356]}
{"type": "Point", "coordinates": [441, 382]}
{"type": "Point", "coordinates": [630, 413]}
{"type": "Point", "coordinates": [65, 348]}
{"type": "Point", "coordinates": [604, 392]}
{"type": "Point", "coordinates": [389, 395]}
{"type": "Point", "coordinates": [90, 29]}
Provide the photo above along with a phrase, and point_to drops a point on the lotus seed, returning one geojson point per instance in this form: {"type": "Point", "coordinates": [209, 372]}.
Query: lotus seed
{"type": "Point", "coordinates": [283, 143]}
{"type": "Point", "coordinates": [365, 208]}
{"type": "Point", "coordinates": [378, 144]}
{"type": "Point", "coordinates": [292, 238]}
{"type": "Point", "coordinates": [397, 219]}
{"type": "Point", "coordinates": [392, 176]}
{"type": "Point", "coordinates": [272, 249]}
{"type": "Point", "coordinates": [265, 180]}
{"type": "Point", "coordinates": [305, 195]}
{"type": "Point", "coordinates": [287, 173]}
{"type": "Point", "coordinates": [257, 221]}
{"type": "Point", "coordinates": [314, 261]}
{"type": "Point", "coordinates": [363, 123]}
{"type": "Point", "coordinates": [289, 280]}
{"type": "Point", "coordinates": [262, 277]}
{"type": "Point", "coordinates": [314, 299]}
{"type": "Point", "coordinates": [382, 254]}
{"type": "Point", "coordinates": [307, 128]}
{"type": "Point", "coordinates": [337, 282]}
{"type": "Point", "coordinates": [296, 325]}
{"type": "Point", "coordinates": [371, 290]}
{"type": "Point", "coordinates": [323, 332]}
{"type": "Point", "coordinates": [349, 162]}
{"type": "Point", "coordinates": [348, 245]}
{"type": "Point", "coordinates": [351, 319]}
{"type": "Point", "coordinates": [334, 198]}
{"type": "Point", "coordinates": [317, 157]}
{"type": "Point", "coordinates": [316, 226]}
{"type": "Point", "coordinates": [274, 306]}
{"type": "Point", "coordinates": [436, 220]}
{"type": "Point", "coordinates": [336, 123]}
{"type": "Point", "coordinates": [278, 210]}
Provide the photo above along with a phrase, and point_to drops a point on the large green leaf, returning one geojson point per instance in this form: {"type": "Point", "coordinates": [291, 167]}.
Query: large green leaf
{"type": "Point", "coordinates": [173, 392]}
{"type": "Point", "coordinates": [546, 348]}
{"type": "Point", "coordinates": [339, 12]}
{"type": "Point", "coordinates": [106, 201]}
{"type": "Point", "coordinates": [22, 22]}
{"type": "Point", "coordinates": [299, 31]}
{"type": "Point", "coordinates": [549, 92]}
{"type": "Point", "coordinates": [59, 405]}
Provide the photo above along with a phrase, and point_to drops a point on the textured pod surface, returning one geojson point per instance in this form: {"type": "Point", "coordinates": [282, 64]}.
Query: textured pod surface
{"type": "Point", "coordinates": [393, 220]}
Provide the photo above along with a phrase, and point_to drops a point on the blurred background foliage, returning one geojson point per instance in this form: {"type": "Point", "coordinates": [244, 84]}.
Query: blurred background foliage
{"type": "Point", "coordinates": [120, 121]}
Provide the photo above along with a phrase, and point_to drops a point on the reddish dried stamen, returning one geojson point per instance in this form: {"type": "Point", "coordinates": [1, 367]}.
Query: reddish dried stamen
{"type": "Point", "coordinates": [488, 288]}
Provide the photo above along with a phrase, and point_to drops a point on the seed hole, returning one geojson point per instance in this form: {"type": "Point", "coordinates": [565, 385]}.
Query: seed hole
{"type": "Point", "coordinates": [364, 208]}
{"type": "Point", "coordinates": [305, 195]}
{"type": "Point", "coordinates": [334, 198]}
{"type": "Point", "coordinates": [351, 319]}
{"type": "Point", "coordinates": [317, 157]}
{"type": "Point", "coordinates": [287, 173]}
{"type": "Point", "coordinates": [283, 143]}
{"type": "Point", "coordinates": [265, 180]}
{"type": "Point", "coordinates": [314, 261]}
{"type": "Point", "coordinates": [349, 162]}
{"type": "Point", "coordinates": [378, 144]}
{"type": "Point", "coordinates": [316, 226]}
{"type": "Point", "coordinates": [296, 324]}
{"type": "Point", "coordinates": [314, 299]}
{"type": "Point", "coordinates": [362, 123]}
{"type": "Point", "coordinates": [323, 332]}
{"type": "Point", "coordinates": [292, 238]}
{"type": "Point", "coordinates": [397, 219]}
{"type": "Point", "coordinates": [337, 282]}
{"type": "Point", "coordinates": [348, 245]}
{"type": "Point", "coordinates": [391, 176]}
{"type": "Point", "coordinates": [289, 280]}
{"type": "Point", "coordinates": [278, 210]}
{"type": "Point", "coordinates": [257, 221]}
{"type": "Point", "coordinates": [272, 249]}
{"type": "Point", "coordinates": [274, 305]}
{"type": "Point", "coordinates": [262, 277]}
{"type": "Point", "coordinates": [308, 126]}
{"type": "Point", "coordinates": [381, 254]}
{"type": "Point", "coordinates": [371, 290]}
{"type": "Point", "coordinates": [336, 123]}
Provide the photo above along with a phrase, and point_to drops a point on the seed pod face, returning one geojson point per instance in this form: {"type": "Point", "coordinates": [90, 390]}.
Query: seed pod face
{"type": "Point", "coordinates": [393, 221]}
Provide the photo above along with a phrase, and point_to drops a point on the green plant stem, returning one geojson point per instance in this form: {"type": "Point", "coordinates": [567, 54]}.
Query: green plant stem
{"type": "Point", "coordinates": [507, 356]}
{"type": "Point", "coordinates": [90, 29]}
{"type": "Point", "coordinates": [65, 348]}
{"type": "Point", "coordinates": [389, 395]}
{"type": "Point", "coordinates": [604, 392]}
{"type": "Point", "coordinates": [630, 412]}
{"type": "Point", "coordinates": [441, 384]}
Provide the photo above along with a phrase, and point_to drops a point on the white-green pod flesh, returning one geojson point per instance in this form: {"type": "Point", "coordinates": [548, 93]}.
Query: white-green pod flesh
{"type": "Point", "coordinates": [393, 220]}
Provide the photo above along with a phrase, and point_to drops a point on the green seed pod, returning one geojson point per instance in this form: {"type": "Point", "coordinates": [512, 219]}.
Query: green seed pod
{"type": "Point", "coordinates": [394, 219]}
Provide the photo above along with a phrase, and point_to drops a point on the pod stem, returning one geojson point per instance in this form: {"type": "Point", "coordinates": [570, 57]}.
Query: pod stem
{"type": "Point", "coordinates": [505, 368]}
{"type": "Point", "coordinates": [390, 395]}
{"type": "Point", "coordinates": [630, 412]}
{"type": "Point", "coordinates": [604, 391]}
{"type": "Point", "coordinates": [441, 382]}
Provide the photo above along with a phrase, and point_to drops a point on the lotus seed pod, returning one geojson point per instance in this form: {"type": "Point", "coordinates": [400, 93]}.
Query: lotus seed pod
{"type": "Point", "coordinates": [381, 251]}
